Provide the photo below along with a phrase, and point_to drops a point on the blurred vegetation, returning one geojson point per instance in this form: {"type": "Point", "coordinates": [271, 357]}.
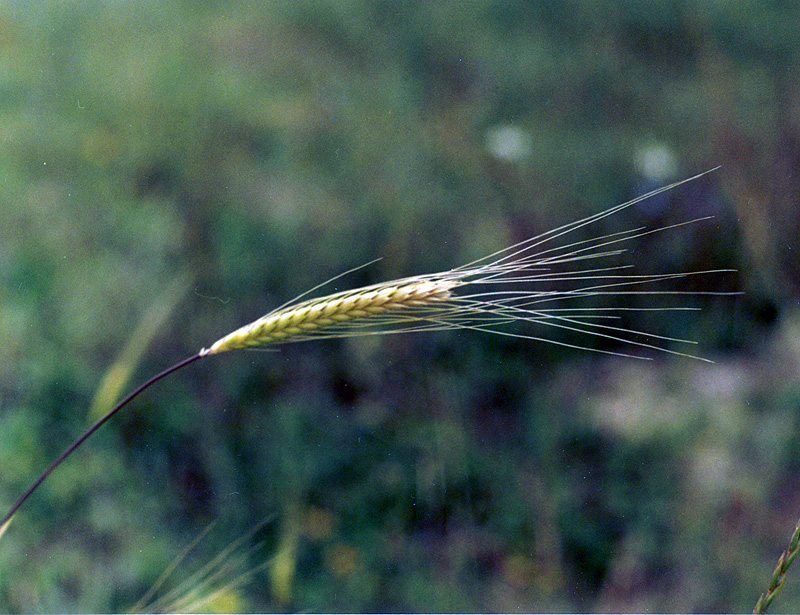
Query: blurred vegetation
{"type": "Point", "coordinates": [258, 149]}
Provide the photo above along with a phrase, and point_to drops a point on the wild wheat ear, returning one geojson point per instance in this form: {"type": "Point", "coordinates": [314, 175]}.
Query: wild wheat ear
{"type": "Point", "coordinates": [779, 574]}
{"type": "Point", "coordinates": [512, 287]}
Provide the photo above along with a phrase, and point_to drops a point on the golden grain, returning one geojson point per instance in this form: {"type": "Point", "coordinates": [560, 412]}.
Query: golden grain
{"type": "Point", "coordinates": [323, 315]}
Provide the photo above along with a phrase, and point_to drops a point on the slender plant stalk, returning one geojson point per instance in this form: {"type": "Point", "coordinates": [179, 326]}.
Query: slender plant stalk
{"type": "Point", "coordinates": [7, 517]}
{"type": "Point", "coordinates": [516, 285]}
{"type": "Point", "coordinates": [779, 575]}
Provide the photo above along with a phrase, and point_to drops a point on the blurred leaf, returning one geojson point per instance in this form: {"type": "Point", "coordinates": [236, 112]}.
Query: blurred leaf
{"type": "Point", "coordinates": [118, 375]}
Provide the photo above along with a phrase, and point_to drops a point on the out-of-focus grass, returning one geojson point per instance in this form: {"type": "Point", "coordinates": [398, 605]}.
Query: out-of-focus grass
{"type": "Point", "coordinates": [267, 146]}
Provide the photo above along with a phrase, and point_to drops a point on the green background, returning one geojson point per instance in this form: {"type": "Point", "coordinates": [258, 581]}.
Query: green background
{"type": "Point", "coordinates": [172, 170]}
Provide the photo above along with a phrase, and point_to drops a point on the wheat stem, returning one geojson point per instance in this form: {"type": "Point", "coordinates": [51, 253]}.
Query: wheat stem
{"type": "Point", "coordinates": [7, 517]}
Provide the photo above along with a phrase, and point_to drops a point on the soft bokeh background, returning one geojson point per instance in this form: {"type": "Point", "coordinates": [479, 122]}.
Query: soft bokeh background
{"type": "Point", "coordinates": [170, 170]}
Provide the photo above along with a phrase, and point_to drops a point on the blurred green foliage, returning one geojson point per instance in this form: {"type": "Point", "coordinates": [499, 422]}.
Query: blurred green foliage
{"type": "Point", "coordinates": [261, 148]}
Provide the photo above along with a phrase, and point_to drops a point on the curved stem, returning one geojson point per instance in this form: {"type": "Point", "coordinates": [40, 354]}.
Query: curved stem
{"type": "Point", "coordinates": [7, 517]}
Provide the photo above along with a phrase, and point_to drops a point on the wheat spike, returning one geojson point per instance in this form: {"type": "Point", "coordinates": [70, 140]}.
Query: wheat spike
{"type": "Point", "coordinates": [515, 285]}
{"type": "Point", "coordinates": [302, 320]}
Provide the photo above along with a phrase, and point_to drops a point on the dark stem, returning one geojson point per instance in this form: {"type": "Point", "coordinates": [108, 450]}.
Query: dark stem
{"type": "Point", "coordinates": [90, 431]}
